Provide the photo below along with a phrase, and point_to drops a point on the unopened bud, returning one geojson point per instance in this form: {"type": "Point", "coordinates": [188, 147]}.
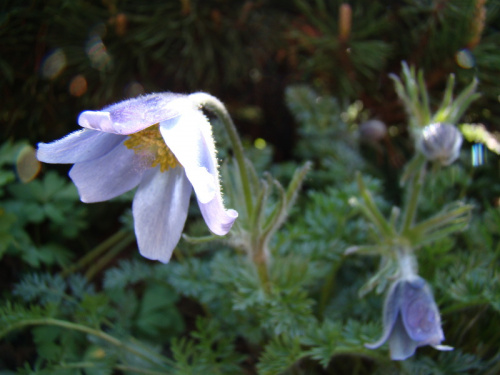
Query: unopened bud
{"type": "Point", "coordinates": [440, 142]}
{"type": "Point", "coordinates": [372, 131]}
{"type": "Point", "coordinates": [411, 319]}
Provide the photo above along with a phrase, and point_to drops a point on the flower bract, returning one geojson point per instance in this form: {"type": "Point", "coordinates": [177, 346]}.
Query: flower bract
{"type": "Point", "coordinates": [160, 143]}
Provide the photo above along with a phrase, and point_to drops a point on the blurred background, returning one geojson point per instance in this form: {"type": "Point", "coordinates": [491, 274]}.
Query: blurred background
{"type": "Point", "coordinates": [58, 58]}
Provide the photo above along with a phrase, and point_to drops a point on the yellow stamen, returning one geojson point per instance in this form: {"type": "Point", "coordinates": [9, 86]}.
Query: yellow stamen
{"type": "Point", "coordinates": [149, 144]}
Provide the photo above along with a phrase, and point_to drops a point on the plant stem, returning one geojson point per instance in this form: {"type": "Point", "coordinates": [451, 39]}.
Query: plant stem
{"type": "Point", "coordinates": [371, 210]}
{"type": "Point", "coordinates": [327, 289]}
{"type": "Point", "coordinates": [260, 260]}
{"type": "Point", "coordinates": [95, 252]}
{"type": "Point", "coordinates": [413, 193]}
{"type": "Point", "coordinates": [464, 305]}
{"type": "Point", "coordinates": [407, 262]}
{"type": "Point", "coordinates": [215, 105]}
{"type": "Point", "coordinates": [138, 370]}
{"type": "Point", "coordinates": [88, 330]}
{"type": "Point", "coordinates": [106, 258]}
{"type": "Point", "coordinates": [92, 365]}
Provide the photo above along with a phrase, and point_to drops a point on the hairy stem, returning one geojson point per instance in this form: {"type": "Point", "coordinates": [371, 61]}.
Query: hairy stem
{"type": "Point", "coordinates": [213, 104]}
{"type": "Point", "coordinates": [96, 252]}
{"type": "Point", "coordinates": [413, 193]}
{"type": "Point", "coordinates": [152, 358]}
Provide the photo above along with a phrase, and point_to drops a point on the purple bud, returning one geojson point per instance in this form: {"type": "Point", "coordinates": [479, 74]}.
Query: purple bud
{"type": "Point", "coordinates": [440, 142]}
{"type": "Point", "coordinates": [411, 319]}
{"type": "Point", "coordinates": [372, 131]}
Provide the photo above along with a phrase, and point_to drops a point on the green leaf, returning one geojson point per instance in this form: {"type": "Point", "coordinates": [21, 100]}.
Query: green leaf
{"type": "Point", "coordinates": [336, 338]}
{"type": "Point", "coordinates": [213, 351]}
{"type": "Point", "coordinates": [7, 221]}
{"type": "Point", "coordinates": [288, 312]}
{"type": "Point", "coordinates": [280, 354]}
{"type": "Point", "coordinates": [6, 177]}
{"type": "Point", "coordinates": [41, 287]}
{"type": "Point", "coordinates": [158, 315]}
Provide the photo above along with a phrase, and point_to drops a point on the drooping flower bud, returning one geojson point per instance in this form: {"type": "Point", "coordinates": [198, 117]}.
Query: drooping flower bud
{"type": "Point", "coordinates": [440, 142]}
{"type": "Point", "coordinates": [411, 319]}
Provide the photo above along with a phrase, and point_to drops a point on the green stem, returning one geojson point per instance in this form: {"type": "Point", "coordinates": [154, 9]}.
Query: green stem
{"type": "Point", "coordinates": [92, 365]}
{"type": "Point", "coordinates": [81, 328]}
{"type": "Point", "coordinates": [106, 258]}
{"type": "Point", "coordinates": [440, 220]}
{"type": "Point", "coordinates": [260, 260]}
{"type": "Point", "coordinates": [213, 104]}
{"type": "Point", "coordinates": [371, 210]}
{"type": "Point", "coordinates": [95, 252]}
{"type": "Point", "coordinates": [296, 183]}
{"type": "Point", "coordinates": [263, 275]}
{"type": "Point", "coordinates": [413, 191]}
{"type": "Point", "coordinates": [326, 290]}
{"type": "Point", "coordinates": [138, 370]}
{"type": "Point", "coordinates": [407, 262]}
{"type": "Point", "coordinates": [464, 305]}
{"type": "Point", "coordinates": [199, 240]}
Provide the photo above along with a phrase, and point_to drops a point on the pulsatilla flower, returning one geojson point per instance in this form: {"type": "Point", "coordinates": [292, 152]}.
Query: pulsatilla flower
{"type": "Point", "coordinates": [161, 143]}
{"type": "Point", "coordinates": [440, 142]}
{"type": "Point", "coordinates": [411, 319]}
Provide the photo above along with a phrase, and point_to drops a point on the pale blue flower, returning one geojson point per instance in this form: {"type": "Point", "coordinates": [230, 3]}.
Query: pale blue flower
{"type": "Point", "coordinates": [161, 143]}
{"type": "Point", "coordinates": [440, 142]}
{"type": "Point", "coordinates": [410, 318]}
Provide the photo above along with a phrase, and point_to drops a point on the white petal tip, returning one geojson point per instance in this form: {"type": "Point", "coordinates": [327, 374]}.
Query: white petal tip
{"type": "Point", "coordinates": [351, 250]}
{"type": "Point", "coordinates": [156, 257]}
{"type": "Point", "coordinates": [232, 213]}
{"type": "Point", "coordinates": [374, 345]}
{"type": "Point", "coordinates": [153, 251]}
{"type": "Point", "coordinates": [444, 348]}
{"type": "Point", "coordinates": [221, 226]}
{"type": "Point", "coordinates": [97, 120]}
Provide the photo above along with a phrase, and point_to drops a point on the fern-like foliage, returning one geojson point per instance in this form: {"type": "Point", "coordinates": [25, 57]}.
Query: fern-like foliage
{"type": "Point", "coordinates": [209, 350]}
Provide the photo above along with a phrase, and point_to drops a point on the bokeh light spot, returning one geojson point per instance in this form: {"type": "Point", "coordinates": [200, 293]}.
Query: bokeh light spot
{"type": "Point", "coordinates": [121, 24]}
{"type": "Point", "coordinates": [255, 75]}
{"type": "Point", "coordinates": [465, 59]}
{"type": "Point", "coordinates": [78, 85]}
{"type": "Point", "coordinates": [260, 143]}
{"type": "Point", "coordinates": [393, 131]}
{"type": "Point", "coordinates": [96, 50]}
{"type": "Point", "coordinates": [478, 155]}
{"type": "Point", "coordinates": [53, 64]}
{"type": "Point", "coordinates": [134, 89]}
{"type": "Point", "coordinates": [27, 165]}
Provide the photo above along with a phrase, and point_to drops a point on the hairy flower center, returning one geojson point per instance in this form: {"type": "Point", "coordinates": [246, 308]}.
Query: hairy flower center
{"type": "Point", "coordinates": [151, 147]}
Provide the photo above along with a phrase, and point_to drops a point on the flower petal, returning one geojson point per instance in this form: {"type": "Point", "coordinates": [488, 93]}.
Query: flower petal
{"type": "Point", "coordinates": [441, 141]}
{"type": "Point", "coordinates": [160, 209]}
{"type": "Point", "coordinates": [401, 345]}
{"type": "Point", "coordinates": [190, 138]}
{"type": "Point", "coordinates": [184, 137]}
{"type": "Point", "coordinates": [109, 176]}
{"type": "Point", "coordinates": [218, 219]}
{"type": "Point", "coordinates": [420, 313]}
{"type": "Point", "coordinates": [133, 115]}
{"type": "Point", "coordinates": [443, 348]}
{"type": "Point", "coordinates": [392, 306]}
{"type": "Point", "coordinates": [78, 146]}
